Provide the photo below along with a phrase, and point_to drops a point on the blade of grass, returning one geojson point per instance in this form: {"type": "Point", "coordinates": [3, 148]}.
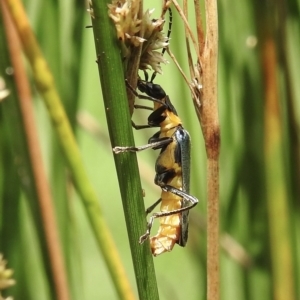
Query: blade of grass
{"type": "Point", "coordinates": [15, 138]}
{"type": "Point", "coordinates": [280, 234]}
{"type": "Point", "coordinates": [46, 86]}
{"type": "Point", "coordinates": [39, 180]}
{"type": "Point", "coordinates": [293, 123]}
{"type": "Point", "coordinates": [120, 131]}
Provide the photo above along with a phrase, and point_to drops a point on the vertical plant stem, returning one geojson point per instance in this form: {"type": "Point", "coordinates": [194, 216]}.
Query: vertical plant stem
{"type": "Point", "coordinates": [120, 131]}
{"type": "Point", "coordinates": [207, 112]}
{"type": "Point", "coordinates": [40, 181]}
{"type": "Point", "coordinates": [213, 229]}
{"type": "Point", "coordinates": [280, 233]}
{"type": "Point", "coordinates": [211, 131]}
{"type": "Point", "coordinates": [293, 123]}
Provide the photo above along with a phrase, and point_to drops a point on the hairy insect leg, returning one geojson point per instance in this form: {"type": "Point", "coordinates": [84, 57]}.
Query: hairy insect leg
{"type": "Point", "coordinates": [145, 236]}
{"type": "Point", "coordinates": [140, 96]}
{"type": "Point", "coordinates": [150, 208]}
{"type": "Point", "coordinates": [191, 199]}
{"type": "Point", "coordinates": [159, 144]}
{"type": "Point", "coordinates": [138, 127]}
{"type": "Point", "coordinates": [137, 106]}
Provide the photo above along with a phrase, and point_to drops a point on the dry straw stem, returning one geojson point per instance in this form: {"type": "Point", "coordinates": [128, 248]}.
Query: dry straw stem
{"type": "Point", "coordinates": [206, 105]}
{"type": "Point", "coordinates": [45, 84]}
{"type": "Point", "coordinates": [133, 66]}
{"type": "Point", "coordinates": [40, 182]}
{"type": "Point", "coordinates": [208, 114]}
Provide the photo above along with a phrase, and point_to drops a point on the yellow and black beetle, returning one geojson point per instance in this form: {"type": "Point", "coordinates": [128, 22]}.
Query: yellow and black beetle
{"type": "Point", "coordinates": [172, 169]}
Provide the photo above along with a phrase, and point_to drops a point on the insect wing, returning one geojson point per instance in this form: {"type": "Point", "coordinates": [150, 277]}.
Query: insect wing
{"type": "Point", "coordinates": [184, 142]}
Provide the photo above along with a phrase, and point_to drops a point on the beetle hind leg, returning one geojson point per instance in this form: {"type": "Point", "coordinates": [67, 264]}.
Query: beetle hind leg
{"type": "Point", "coordinates": [145, 236]}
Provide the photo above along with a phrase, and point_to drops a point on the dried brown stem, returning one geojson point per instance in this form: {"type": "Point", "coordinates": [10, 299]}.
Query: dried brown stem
{"type": "Point", "coordinates": [187, 42]}
{"type": "Point", "coordinates": [187, 26]}
{"type": "Point", "coordinates": [181, 72]}
{"type": "Point", "coordinates": [199, 25]}
{"type": "Point", "coordinates": [133, 65]}
{"type": "Point", "coordinates": [205, 74]}
{"type": "Point", "coordinates": [211, 131]}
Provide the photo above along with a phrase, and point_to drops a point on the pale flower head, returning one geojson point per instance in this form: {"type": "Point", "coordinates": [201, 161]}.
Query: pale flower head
{"type": "Point", "coordinates": [5, 277]}
{"type": "Point", "coordinates": [124, 14]}
{"type": "Point", "coordinates": [134, 32]}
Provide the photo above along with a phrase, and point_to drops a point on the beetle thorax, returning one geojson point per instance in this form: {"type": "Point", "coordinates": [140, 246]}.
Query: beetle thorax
{"type": "Point", "coordinates": [171, 121]}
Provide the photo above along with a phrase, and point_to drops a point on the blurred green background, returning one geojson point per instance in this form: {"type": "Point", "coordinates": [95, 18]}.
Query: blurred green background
{"type": "Point", "coordinates": [259, 164]}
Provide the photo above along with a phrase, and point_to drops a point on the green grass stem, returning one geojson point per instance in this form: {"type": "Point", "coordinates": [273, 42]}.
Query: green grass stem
{"type": "Point", "coordinates": [120, 131]}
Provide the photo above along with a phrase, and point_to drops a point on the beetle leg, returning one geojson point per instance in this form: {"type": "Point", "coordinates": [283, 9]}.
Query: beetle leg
{"type": "Point", "coordinates": [140, 96]}
{"type": "Point", "coordinates": [150, 208]}
{"type": "Point", "coordinates": [158, 144]}
{"type": "Point", "coordinates": [137, 106]}
{"type": "Point", "coordinates": [191, 199]}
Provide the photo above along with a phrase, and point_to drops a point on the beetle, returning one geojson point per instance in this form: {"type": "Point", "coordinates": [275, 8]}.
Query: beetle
{"type": "Point", "coordinates": [172, 169]}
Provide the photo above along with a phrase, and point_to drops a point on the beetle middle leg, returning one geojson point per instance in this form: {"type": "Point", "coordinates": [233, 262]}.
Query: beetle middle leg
{"type": "Point", "coordinates": [150, 208]}
{"type": "Point", "coordinates": [155, 145]}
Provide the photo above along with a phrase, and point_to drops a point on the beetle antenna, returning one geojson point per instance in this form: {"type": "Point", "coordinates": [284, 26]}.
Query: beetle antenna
{"type": "Point", "coordinates": [168, 39]}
